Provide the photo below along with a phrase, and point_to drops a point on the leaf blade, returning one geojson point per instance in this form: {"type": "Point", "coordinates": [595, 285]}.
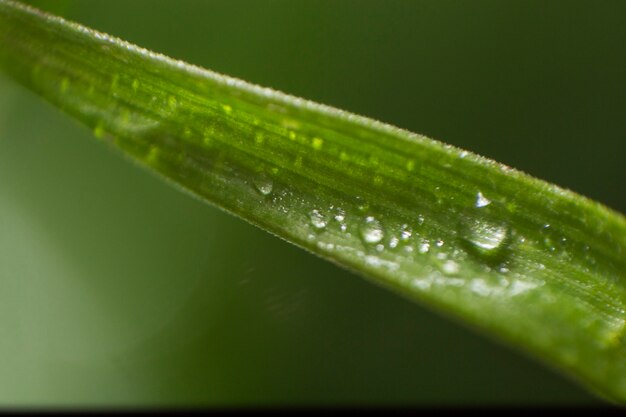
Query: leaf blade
{"type": "Point", "coordinates": [288, 165]}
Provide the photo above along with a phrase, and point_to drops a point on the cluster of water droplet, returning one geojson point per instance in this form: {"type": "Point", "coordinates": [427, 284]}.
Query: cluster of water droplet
{"type": "Point", "coordinates": [387, 243]}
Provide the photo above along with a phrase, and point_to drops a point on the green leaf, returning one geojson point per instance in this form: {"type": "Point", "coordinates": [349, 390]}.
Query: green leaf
{"type": "Point", "coordinates": [530, 263]}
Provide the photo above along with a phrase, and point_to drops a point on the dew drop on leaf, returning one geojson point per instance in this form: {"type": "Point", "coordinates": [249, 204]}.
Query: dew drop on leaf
{"type": "Point", "coordinates": [264, 184]}
{"type": "Point", "coordinates": [340, 214]}
{"type": "Point", "coordinates": [318, 220]}
{"type": "Point", "coordinates": [424, 247]}
{"type": "Point", "coordinates": [485, 237]}
{"type": "Point", "coordinates": [450, 267]}
{"type": "Point", "coordinates": [372, 230]}
{"type": "Point", "coordinates": [405, 233]}
{"type": "Point", "coordinates": [401, 237]}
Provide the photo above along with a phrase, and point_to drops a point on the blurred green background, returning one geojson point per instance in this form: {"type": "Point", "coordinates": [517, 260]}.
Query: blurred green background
{"type": "Point", "coordinates": [116, 289]}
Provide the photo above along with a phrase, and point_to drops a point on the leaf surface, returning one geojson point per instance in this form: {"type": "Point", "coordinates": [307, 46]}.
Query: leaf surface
{"type": "Point", "coordinates": [531, 263]}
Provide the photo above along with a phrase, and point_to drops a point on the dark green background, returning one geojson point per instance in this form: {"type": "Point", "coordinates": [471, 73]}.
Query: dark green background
{"type": "Point", "coordinates": [116, 289]}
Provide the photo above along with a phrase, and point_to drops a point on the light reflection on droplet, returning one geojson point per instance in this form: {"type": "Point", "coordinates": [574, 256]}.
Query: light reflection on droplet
{"type": "Point", "coordinates": [481, 200]}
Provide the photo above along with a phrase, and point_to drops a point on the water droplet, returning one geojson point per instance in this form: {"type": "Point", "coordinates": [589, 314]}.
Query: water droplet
{"type": "Point", "coordinates": [450, 267]}
{"type": "Point", "coordinates": [480, 287]}
{"type": "Point", "coordinates": [420, 220]}
{"type": "Point", "coordinates": [405, 233]}
{"type": "Point", "coordinates": [317, 143]}
{"type": "Point", "coordinates": [548, 239]}
{"type": "Point", "coordinates": [318, 220]}
{"type": "Point", "coordinates": [424, 247]}
{"type": "Point", "coordinates": [372, 230]}
{"type": "Point", "coordinates": [439, 243]}
{"type": "Point", "coordinates": [327, 246]}
{"type": "Point", "coordinates": [422, 284]}
{"type": "Point", "coordinates": [340, 214]}
{"type": "Point", "coordinates": [520, 287]}
{"type": "Point", "coordinates": [402, 236]}
{"type": "Point", "coordinates": [264, 184]}
{"type": "Point", "coordinates": [481, 200]}
{"type": "Point", "coordinates": [485, 237]}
